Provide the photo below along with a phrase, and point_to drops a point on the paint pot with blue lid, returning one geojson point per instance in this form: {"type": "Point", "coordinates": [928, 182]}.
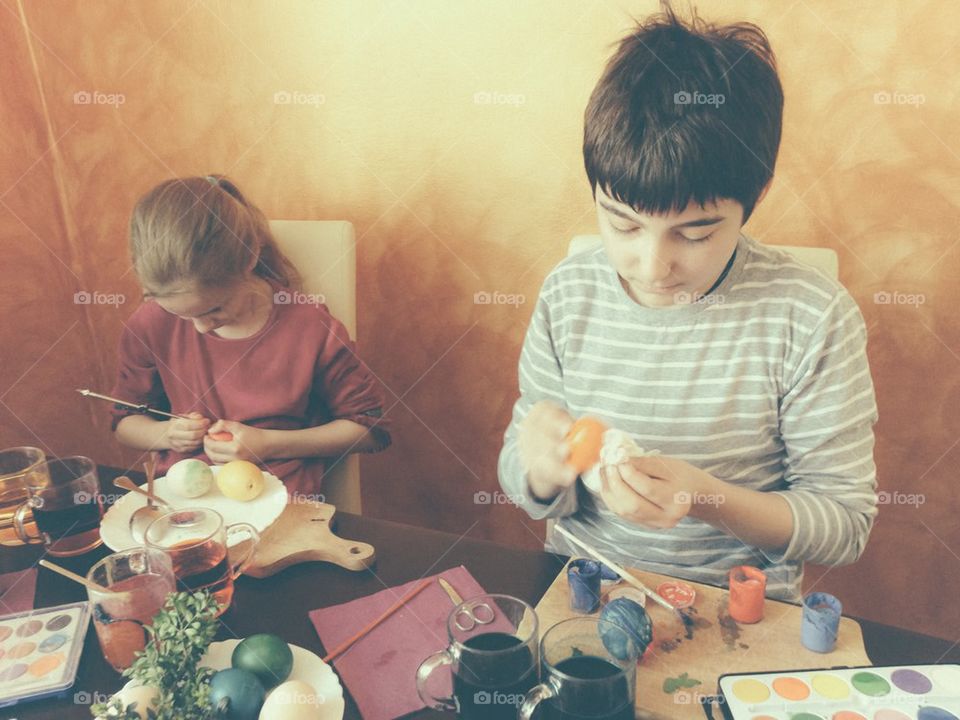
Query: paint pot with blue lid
{"type": "Point", "coordinates": [584, 576]}
{"type": "Point", "coordinates": [821, 622]}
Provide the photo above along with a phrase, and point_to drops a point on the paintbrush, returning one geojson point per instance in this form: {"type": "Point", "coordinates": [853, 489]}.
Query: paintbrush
{"type": "Point", "coordinates": [142, 407]}
{"type": "Point", "coordinates": [616, 568]}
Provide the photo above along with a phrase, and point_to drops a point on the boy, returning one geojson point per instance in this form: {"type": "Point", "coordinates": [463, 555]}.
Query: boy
{"type": "Point", "coordinates": [745, 369]}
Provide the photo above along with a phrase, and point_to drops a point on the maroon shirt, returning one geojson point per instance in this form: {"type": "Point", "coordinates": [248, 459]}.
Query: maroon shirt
{"type": "Point", "coordinates": [300, 370]}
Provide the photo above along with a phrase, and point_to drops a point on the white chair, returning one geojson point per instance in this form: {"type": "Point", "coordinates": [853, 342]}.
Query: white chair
{"type": "Point", "coordinates": [324, 253]}
{"type": "Point", "coordinates": [823, 259]}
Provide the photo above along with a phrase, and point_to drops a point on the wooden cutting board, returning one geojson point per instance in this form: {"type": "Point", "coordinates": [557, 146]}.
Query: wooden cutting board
{"type": "Point", "coordinates": [715, 644]}
{"type": "Point", "coordinates": [302, 533]}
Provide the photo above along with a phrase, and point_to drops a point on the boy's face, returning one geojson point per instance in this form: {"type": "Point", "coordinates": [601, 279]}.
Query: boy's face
{"type": "Point", "coordinates": [669, 259]}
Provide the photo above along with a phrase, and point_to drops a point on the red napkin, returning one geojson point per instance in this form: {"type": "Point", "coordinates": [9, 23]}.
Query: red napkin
{"type": "Point", "coordinates": [17, 590]}
{"type": "Point", "coordinates": [380, 669]}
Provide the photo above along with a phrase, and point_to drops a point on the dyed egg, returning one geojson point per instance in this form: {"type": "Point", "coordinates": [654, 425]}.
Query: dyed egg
{"type": "Point", "coordinates": [632, 623]}
{"type": "Point", "coordinates": [240, 480]}
{"type": "Point", "coordinates": [584, 442]}
{"type": "Point", "coordinates": [236, 694]}
{"type": "Point", "coordinates": [266, 656]}
{"type": "Point", "coordinates": [190, 478]}
{"type": "Point", "coordinates": [137, 698]}
{"type": "Point", "coordinates": [293, 700]}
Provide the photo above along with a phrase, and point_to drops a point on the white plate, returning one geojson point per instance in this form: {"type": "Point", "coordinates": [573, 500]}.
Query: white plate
{"type": "Point", "coordinates": [307, 667]}
{"type": "Point", "coordinates": [259, 512]}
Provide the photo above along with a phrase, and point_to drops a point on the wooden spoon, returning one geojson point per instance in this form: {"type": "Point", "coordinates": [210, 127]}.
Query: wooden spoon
{"type": "Point", "coordinates": [142, 518]}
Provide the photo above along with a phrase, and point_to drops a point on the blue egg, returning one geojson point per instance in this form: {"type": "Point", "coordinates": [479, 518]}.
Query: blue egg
{"type": "Point", "coordinates": [632, 623]}
{"type": "Point", "coordinates": [236, 694]}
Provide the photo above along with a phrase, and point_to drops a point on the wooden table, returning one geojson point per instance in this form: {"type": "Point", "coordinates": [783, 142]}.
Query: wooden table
{"type": "Point", "coordinates": [280, 604]}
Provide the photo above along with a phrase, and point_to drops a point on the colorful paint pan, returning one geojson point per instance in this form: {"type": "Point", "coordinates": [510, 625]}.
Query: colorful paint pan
{"type": "Point", "coordinates": [41, 651]}
{"type": "Point", "coordinates": [917, 692]}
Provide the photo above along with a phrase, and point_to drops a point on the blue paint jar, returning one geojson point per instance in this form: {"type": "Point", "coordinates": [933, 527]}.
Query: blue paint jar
{"type": "Point", "coordinates": [583, 576]}
{"type": "Point", "coordinates": [821, 622]}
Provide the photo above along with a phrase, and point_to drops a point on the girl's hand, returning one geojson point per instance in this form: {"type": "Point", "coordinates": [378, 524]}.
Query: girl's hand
{"type": "Point", "coordinates": [543, 450]}
{"type": "Point", "coordinates": [248, 443]}
{"type": "Point", "coordinates": [655, 490]}
{"type": "Point", "coordinates": [186, 436]}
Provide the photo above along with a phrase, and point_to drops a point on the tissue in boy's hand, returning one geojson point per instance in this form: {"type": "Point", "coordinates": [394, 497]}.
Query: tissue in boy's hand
{"type": "Point", "coordinates": [617, 447]}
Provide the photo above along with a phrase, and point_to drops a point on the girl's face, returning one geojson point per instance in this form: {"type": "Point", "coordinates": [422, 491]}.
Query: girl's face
{"type": "Point", "coordinates": [669, 259]}
{"type": "Point", "coordinates": [210, 309]}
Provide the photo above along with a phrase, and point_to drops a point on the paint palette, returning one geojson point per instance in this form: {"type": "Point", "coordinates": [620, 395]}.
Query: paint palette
{"type": "Point", "coordinates": [916, 692]}
{"type": "Point", "coordinates": [40, 651]}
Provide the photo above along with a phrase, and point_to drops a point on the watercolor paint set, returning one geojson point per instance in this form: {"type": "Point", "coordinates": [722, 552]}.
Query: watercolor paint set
{"type": "Point", "coordinates": [898, 692]}
{"type": "Point", "coordinates": [40, 650]}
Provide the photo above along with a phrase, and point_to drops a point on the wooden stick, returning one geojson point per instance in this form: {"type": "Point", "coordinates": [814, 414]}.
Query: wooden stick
{"type": "Point", "coordinates": [76, 578]}
{"type": "Point", "coordinates": [616, 568]}
{"type": "Point", "coordinates": [393, 608]}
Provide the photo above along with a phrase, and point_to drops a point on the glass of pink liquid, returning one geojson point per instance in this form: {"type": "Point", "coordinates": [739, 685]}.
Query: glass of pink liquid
{"type": "Point", "coordinates": [135, 585]}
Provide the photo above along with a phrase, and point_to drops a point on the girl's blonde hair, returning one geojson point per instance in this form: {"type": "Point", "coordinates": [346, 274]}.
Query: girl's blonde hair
{"type": "Point", "coordinates": [203, 229]}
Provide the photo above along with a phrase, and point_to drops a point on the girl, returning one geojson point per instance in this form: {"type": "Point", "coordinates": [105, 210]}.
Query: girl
{"type": "Point", "coordinates": [275, 383]}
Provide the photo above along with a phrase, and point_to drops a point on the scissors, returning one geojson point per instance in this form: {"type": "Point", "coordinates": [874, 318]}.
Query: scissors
{"type": "Point", "coordinates": [476, 614]}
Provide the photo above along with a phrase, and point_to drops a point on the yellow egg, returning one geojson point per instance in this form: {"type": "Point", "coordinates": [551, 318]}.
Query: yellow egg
{"type": "Point", "coordinates": [240, 480]}
{"type": "Point", "coordinates": [142, 695]}
{"type": "Point", "coordinates": [190, 478]}
{"type": "Point", "coordinates": [293, 700]}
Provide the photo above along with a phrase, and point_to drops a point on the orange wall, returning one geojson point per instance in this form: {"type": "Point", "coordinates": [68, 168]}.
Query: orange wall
{"type": "Point", "coordinates": [452, 195]}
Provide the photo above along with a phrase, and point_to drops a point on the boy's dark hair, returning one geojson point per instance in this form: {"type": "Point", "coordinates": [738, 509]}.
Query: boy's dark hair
{"type": "Point", "coordinates": [685, 111]}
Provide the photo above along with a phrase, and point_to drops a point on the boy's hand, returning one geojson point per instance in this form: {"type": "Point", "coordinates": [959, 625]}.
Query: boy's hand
{"type": "Point", "coordinates": [655, 490]}
{"type": "Point", "coordinates": [543, 450]}
{"type": "Point", "coordinates": [248, 443]}
{"type": "Point", "coordinates": [186, 436]}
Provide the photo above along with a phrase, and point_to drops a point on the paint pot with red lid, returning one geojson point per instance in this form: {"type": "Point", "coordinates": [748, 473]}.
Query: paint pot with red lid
{"type": "Point", "coordinates": [748, 587]}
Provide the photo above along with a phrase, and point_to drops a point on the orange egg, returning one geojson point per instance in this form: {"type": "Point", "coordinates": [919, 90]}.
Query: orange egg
{"type": "Point", "coordinates": [584, 441]}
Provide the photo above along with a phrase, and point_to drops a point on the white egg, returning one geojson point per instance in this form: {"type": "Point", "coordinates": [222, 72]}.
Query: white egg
{"type": "Point", "coordinates": [190, 478]}
{"type": "Point", "coordinates": [142, 695]}
{"type": "Point", "coordinates": [293, 700]}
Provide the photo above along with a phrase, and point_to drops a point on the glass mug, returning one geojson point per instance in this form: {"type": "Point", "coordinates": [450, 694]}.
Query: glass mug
{"type": "Point", "coordinates": [492, 656]}
{"type": "Point", "coordinates": [17, 466]}
{"type": "Point", "coordinates": [64, 498]}
{"type": "Point", "coordinates": [135, 585]}
{"type": "Point", "coordinates": [580, 677]}
{"type": "Point", "coordinates": [196, 541]}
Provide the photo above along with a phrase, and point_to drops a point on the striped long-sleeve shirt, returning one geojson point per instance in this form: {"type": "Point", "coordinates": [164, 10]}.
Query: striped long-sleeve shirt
{"type": "Point", "coordinates": [764, 383]}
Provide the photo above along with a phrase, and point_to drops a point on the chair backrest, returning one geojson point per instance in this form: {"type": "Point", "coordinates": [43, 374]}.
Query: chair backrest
{"type": "Point", "coordinates": [824, 259]}
{"type": "Point", "coordinates": [324, 253]}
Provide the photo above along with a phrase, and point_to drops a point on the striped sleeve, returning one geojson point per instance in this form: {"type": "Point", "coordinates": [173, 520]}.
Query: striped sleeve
{"type": "Point", "coordinates": [541, 378]}
{"type": "Point", "coordinates": [827, 415]}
